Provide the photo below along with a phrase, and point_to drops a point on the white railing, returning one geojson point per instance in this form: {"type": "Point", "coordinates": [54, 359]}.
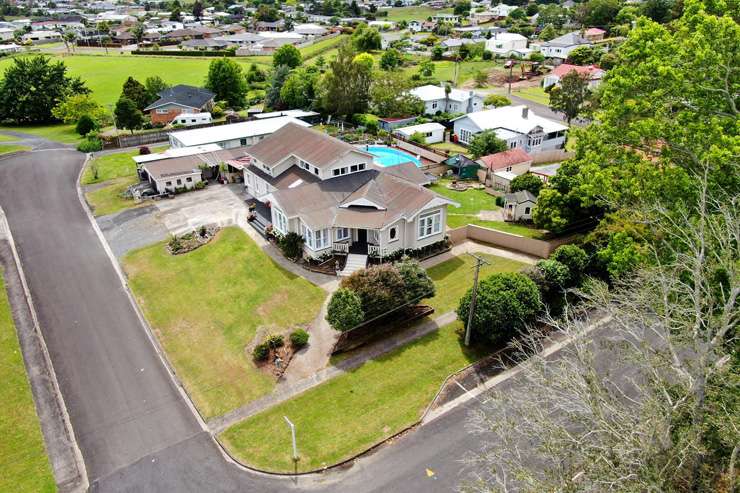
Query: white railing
{"type": "Point", "coordinates": [374, 251]}
{"type": "Point", "coordinates": [340, 247]}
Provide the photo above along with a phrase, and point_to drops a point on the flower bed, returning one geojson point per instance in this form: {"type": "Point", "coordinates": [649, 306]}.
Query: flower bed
{"type": "Point", "coordinates": [190, 241]}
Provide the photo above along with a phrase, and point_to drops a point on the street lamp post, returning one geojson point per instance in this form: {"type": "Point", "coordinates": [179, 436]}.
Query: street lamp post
{"type": "Point", "coordinates": [292, 433]}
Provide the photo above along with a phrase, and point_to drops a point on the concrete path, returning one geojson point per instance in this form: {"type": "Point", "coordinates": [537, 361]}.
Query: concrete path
{"type": "Point", "coordinates": [473, 247]}
{"type": "Point", "coordinates": [286, 390]}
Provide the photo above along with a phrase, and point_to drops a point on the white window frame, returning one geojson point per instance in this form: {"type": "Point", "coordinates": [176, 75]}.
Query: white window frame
{"type": "Point", "coordinates": [429, 225]}
{"type": "Point", "coordinates": [391, 239]}
{"type": "Point", "coordinates": [281, 222]}
{"type": "Point", "coordinates": [162, 111]}
{"type": "Point", "coordinates": [341, 234]}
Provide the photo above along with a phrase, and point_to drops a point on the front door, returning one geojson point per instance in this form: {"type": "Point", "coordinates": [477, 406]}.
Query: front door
{"type": "Point", "coordinates": [361, 236]}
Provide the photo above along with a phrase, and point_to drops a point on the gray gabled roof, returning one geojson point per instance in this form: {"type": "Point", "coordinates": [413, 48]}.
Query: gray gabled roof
{"type": "Point", "coordinates": [570, 39]}
{"type": "Point", "coordinates": [190, 96]}
{"type": "Point", "coordinates": [520, 197]}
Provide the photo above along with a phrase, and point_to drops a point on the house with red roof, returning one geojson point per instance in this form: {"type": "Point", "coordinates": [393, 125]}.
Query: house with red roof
{"type": "Point", "coordinates": [503, 167]}
{"type": "Point", "coordinates": [594, 34]}
{"type": "Point", "coordinates": [592, 72]}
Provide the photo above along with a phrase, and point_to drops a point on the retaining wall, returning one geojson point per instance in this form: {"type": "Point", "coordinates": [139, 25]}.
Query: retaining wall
{"type": "Point", "coordinates": [530, 246]}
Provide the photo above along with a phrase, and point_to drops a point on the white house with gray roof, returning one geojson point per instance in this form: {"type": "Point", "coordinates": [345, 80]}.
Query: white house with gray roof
{"type": "Point", "coordinates": [560, 47]}
{"type": "Point", "coordinates": [333, 195]}
{"type": "Point", "coordinates": [437, 100]}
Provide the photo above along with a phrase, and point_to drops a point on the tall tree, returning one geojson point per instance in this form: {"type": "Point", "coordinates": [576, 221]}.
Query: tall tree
{"type": "Point", "coordinates": [136, 92]}
{"type": "Point", "coordinates": [299, 89]}
{"type": "Point", "coordinates": [571, 96]}
{"type": "Point", "coordinates": [226, 80]}
{"type": "Point", "coordinates": [197, 9]}
{"type": "Point", "coordinates": [128, 115]}
{"type": "Point", "coordinates": [390, 97]}
{"type": "Point", "coordinates": [277, 80]}
{"type": "Point", "coordinates": [154, 85]}
{"type": "Point", "coordinates": [347, 84]}
{"type": "Point", "coordinates": [485, 143]}
{"type": "Point", "coordinates": [287, 55]}
{"type": "Point", "coordinates": [366, 38]}
{"type": "Point", "coordinates": [33, 86]}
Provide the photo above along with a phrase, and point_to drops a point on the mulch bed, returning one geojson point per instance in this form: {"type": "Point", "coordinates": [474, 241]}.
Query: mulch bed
{"type": "Point", "coordinates": [270, 367]}
{"type": "Point", "coordinates": [191, 241]}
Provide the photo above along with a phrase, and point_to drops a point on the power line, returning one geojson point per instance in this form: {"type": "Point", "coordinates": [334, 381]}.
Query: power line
{"type": "Point", "coordinates": [478, 263]}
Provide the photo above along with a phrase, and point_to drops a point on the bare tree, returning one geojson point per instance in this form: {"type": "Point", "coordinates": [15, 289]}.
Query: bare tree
{"type": "Point", "coordinates": [647, 402]}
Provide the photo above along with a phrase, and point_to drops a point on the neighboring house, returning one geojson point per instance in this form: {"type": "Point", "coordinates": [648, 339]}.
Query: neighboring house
{"type": "Point", "coordinates": [9, 48]}
{"type": "Point", "coordinates": [545, 172]}
{"type": "Point", "coordinates": [6, 33]}
{"type": "Point", "coordinates": [503, 167]}
{"type": "Point", "coordinates": [518, 126]}
{"type": "Point", "coordinates": [518, 206]}
{"type": "Point", "coordinates": [560, 47]}
{"type": "Point", "coordinates": [502, 10]}
{"type": "Point", "coordinates": [332, 194]}
{"type": "Point", "coordinates": [432, 132]}
{"type": "Point", "coordinates": [278, 25]}
{"type": "Point", "coordinates": [307, 116]}
{"type": "Point", "coordinates": [508, 44]}
{"type": "Point", "coordinates": [454, 19]}
{"type": "Point", "coordinates": [241, 39]}
{"type": "Point", "coordinates": [415, 26]}
{"type": "Point", "coordinates": [183, 168]}
{"type": "Point", "coordinates": [189, 119]}
{"type": "Point", "coordinates": [594, 34]}
{"type": "Point", "coordinates": [594, 74]}
{"type": "Point", "coordinates": [211, 44]}
{"type": "Point", "coordinates": [390, 124]}
{"type": "Point", "coordinates": [436, 100]}
{"type": "Point", "coordinates": [233, 135]}
{"type": "Point", "coordinates": [310, 29]}
{"type": "Point", "coordinates": [179, 99]}
{"type": "Point", "coordinates": [42, 36]}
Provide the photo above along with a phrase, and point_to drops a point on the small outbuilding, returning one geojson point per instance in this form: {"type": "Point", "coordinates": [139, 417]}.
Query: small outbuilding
{"type": "Point", "coordinates": [432, 132]}
{"type": "Point", "coordinates": [518, 206]}
{"type": "Point", "coordinates": [463, 167]}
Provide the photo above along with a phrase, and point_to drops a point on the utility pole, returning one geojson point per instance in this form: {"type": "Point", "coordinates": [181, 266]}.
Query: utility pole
{"type": "Point", "coordinates": [478, 263]}
{"type": "Point", "coordinates": [292, 432]}
{"type": "Point", "coordinates": [511, 72]}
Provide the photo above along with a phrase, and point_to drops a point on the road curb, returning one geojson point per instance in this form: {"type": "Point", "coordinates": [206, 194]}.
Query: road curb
{"type": "Point", "coordinates": [79, 482]}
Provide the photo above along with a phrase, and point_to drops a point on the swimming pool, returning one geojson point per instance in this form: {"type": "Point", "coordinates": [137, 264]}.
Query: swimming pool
{"type": "Point", "coordinates": [388, 156]}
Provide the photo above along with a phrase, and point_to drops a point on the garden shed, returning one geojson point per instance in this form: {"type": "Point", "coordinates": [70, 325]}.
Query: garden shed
{"type": "Point", "coordinates": [463, 167]}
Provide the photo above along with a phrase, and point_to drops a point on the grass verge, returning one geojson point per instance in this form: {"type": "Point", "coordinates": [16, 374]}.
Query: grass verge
{"type": "Point", "coordinates": [58, 132]}
{"type": "Point", "coordinates": [535, 93]}
{"type": "Point", "coordinates": [8, 148]}
{"type": "Point", "coordinates": [109, 199]}
{"type": "Point", "coordinates": [23, 461]}
{"type": "Point", "coordinates": [114, 165]}
{"type": "Point", "coordinates": [353, 411]}
{"type": "Point", "coordinates": [207, 305]}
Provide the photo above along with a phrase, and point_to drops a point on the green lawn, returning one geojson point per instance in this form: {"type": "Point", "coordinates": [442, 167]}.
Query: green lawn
{"type": "Point", "coordinates": [322, 47]}
{"type": "Point", "coordinates": [59, 132]}
{"type": "Point", "coordinates": [452, 147]}
{"type": "Point", "coordinates": [105, 75]}
{"type": "Point", "coordinates": [353, 411]}
{"type": "Point", "coordinates": [8, 138]}
{"type": "Point", "coordinates": [206, 307]}
{"type": "Point", "coordinates": [471, 201]}
{"type": "Point", "coordinates": [455, 276]}
{"type": "Point", "coordinates": [445, 70]}
{"type": "Point", "coordinates": [109, 199]}
{"type": "Point", "coordinates": [23, 461]}
{"type": "Point", "coordinates": [114, 165]}
{"type": "Point", "coordinates": [458, 220]}
{"type": "Point", "coordinates": [419, 13]}
{"type": "Point", "coordinates": [536, 94]}
{"type": "Point", "coordinates": [8, 148]}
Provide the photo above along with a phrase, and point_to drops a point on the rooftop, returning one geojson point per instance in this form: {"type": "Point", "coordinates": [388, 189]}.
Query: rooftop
{"type": "Point", "coordinates": [181, 94]}
{"type": "Point", "coordinates": [505, 159]}
{"type": "Point", "coordinates": [222, 133]}
{"type": "Point", "coordinates": [518, 119]}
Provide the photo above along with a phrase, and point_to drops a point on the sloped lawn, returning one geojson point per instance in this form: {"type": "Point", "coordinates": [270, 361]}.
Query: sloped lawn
{"type": "Point", "coordinates": [23, 461]}
{"type": "Point", "coordinates": [207, 305]}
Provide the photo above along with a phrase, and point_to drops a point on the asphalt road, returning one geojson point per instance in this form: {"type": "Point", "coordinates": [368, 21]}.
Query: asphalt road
{"type": "Point", "coordinates": [134, 430]}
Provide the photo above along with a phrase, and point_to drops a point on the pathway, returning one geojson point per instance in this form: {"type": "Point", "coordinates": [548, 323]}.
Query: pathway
{"type": "Point", "coordinates": [286, 390]}
{"type": "Point", "coordinates": [473, 247]}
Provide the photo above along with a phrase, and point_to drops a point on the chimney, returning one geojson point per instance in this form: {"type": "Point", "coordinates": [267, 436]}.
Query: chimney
{"type": "Point", "coordinates": [525, 112]}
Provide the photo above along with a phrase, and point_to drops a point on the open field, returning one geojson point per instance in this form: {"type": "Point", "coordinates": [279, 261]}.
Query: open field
{"type": "Point", "coordinates": [534, 93]}
{"type": "Point", "coordinates": [446, 70]}
{"type": "Point", "coordinates": [8, 148]}
{"type": "Point", "coordinates": [114, 165]}
{"type": "Point", "coordinates": [353, 411]}
{"type": "Point", "coordinates": [23, 461]}
{"type": "Point", "coordinates": [207, 305]}
{"type": "Point", "coordinates": [59, 132]}
{"type": "Point", "coordinates": [322, 47]}
{"type": "Point", "coordinates": [455, 276]}
{"type": "Point", "coordinates": [418, 13]}
{"type": "Point", "coordinates": [105, 75]}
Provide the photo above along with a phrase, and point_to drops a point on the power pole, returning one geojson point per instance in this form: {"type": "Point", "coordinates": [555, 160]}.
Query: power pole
{"type": "Point", "coordinates": [511, 72]}
{"type": "Point", "coordinates": [478, 263]}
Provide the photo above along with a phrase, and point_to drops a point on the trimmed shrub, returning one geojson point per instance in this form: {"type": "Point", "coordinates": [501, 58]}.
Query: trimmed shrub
{"type": "Point", "coordinates": [418, 283]}
{"type": "Point", "coordinates": [90, 144]}
{"type": "Point", "coordinates": [299, 338]}
{"type": "Point", "coordinates": [505, 305]}
{"type": "Point", "coordinates": [261, 352]}
{"type": "Point", "coordinates": [345, 310]}
{"type": "Point", "coordinates": [380, 288]}
{"type": "Point", "coordinates": [575, 259]}
{"type": "Point", "coordinates": [275, 341]}
{"type": "Point", "coordinates": [291, 245]}
{"type": "Point", "coordinates": [553, 276]}
{"type": "Point", "coordinates": [144, 150]}
{"type": "Point", "coordinates": [85, 125]}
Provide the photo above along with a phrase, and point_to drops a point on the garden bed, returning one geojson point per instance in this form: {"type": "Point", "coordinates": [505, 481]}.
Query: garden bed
{"type": "Point", "coordinates": [188, 242]}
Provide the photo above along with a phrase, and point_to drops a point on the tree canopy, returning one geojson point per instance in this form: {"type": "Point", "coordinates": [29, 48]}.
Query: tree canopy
{"type": "Point", "coordinates": [32, 86]}
{"type": "Point", "coordinates": [571, 95]}
{"type": "Point", "coordinates": [346, 85]}
{"type": "Point", "coordinates": [485, 143]}
{"type": "Point", "coordinates": [226, 80]}
{"type": "Point", "coordinates": [287, 55]}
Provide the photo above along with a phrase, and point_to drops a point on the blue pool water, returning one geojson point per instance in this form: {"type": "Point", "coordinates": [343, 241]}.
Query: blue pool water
{"type": "Point", "coordinates": [387, 156]}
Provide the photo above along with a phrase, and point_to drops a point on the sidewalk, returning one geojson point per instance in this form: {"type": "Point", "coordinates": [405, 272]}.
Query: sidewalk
{"type": "Point", "coordinates": [285, 391]}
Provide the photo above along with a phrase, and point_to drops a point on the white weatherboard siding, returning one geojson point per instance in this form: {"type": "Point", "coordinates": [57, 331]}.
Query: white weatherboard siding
{"type": "Point", "coordinates": [432, 132]}
{"type": "Point", "coordinates": [233, 135]}
{"type": "Point", "coordinates": [170, 183]}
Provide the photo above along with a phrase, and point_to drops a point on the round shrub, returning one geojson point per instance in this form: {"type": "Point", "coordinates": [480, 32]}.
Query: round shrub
{"type": "Point", "coordinates": [380, 288]}
{"type": "Point", "coordinates": [85, 125]}
{"type": "Point", "coordinates": [575, 259]}
{"type": "Point", "coordinates": [90, 144]}
{"type": "Point", "coordinates": [144, 150]}
{"type": "Point", "coordinates": [505, 305]}
{"type": "Point", "coordinates": [275, 341]}
{"type": "Point", "coordinates": [345, 310]}
{"type": "Point", "coordinates": [553, 275]}
{"type": "Point", "coordinates": [299, 338]}
{"type": "Point", "coordinates": [261, 352]}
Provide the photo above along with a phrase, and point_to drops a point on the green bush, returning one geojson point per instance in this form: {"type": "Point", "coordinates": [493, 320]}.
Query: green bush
{"type": "Point", "coordinates": [90, 144]}
{"type": "Point", "coordinates": [417, 282]}
{"type": "Point", "coordinates": [261, 352]}
{"type": "Point", "coordinates": [380, 288]}
{"type": "Point", "coordinates": [299, 338]}
{"type": "Point", "coordinates": [275, 341]}
{"type": "Point", "coordinates": [345, 310]}
{"type": "Point", "coordinates": [291, 245]}
{"type": "Point", "coordinates": [505, 305]}
{"type": "Point", "coordinates": [575, 259]}
{"type": "Point", "coordinates": [85, 125]}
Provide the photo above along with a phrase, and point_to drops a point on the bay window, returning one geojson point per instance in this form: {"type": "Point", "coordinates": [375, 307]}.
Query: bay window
{"type": "Point", "coordinates": [430, 224]}
{"type": "Point", "coordinates": [281, 222]}
{"type": "Point", "coordinates": [316, 240]}
{"type": "Point", "coordinates": [342, 234]}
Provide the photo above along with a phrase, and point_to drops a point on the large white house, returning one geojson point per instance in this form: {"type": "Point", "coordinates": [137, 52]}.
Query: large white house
{"type": "Point", "coordinates": [233, 135]}
{"type": "Point", "coordinates": [333, 195]}
{"type": "Point", "coordinates": [437, 100]}
{"type": "Point", "coordinates": [560, 47]}
{"type": "Point", "coordinates": [508, 44]}
{"type": "Point", "coordinates": [518, 126]}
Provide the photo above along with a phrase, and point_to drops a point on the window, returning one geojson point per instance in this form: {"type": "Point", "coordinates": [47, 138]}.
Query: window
{"type": "Point", "coordinates": [242, 142]}
{"type": "Point", "coordinates": [162, 111]}
{"type": "Point", "coordinates": [430, 224]}
{"type": "Point", "coordinates": [508, 168]}
{"type": "Point", "coordinates": [434, 105]}
{"type": "Point", "coordinates": [281, 222]}
{"type": "Point", "coordinates": [526, 210]}
{"type": "Point", "coordinates": [342, 234]}
{"type": "Point", "coordinates": [189, 179]}
{"type": "Point", "coordinates": [335, 172]}
{"type": "Point", "coordinates": [316, 240]}
{"type": "Point", "coordinates": [179, 181]}
{"type": "Point", "coordinates": [362, 166]}
{"type": "Point", "coordinates": [168, 184]}
{"type": "Point", "coordinates": [193, 120]}
{"type": "Point", "coordinates": [465, 135]}
{"type": "Point", "coordinates": [343, 171]}
{"type": "Point", "coordinates": [535, 141]}
{"type": "Point", "coordinates": [315, 171]}
{"type": "Point", "coordinates": [513, 144]}
{"type": "Point", "coordinates": [353, 168]}
{"type": "Point", "coordinates": [393, 233]}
